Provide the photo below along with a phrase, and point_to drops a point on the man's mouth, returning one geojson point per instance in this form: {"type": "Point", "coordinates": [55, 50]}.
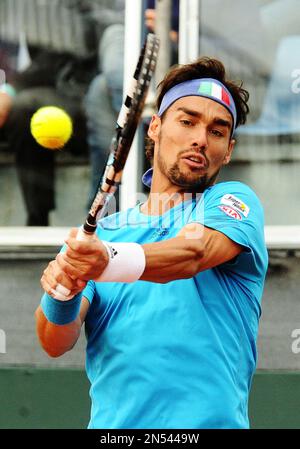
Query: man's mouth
{"type": "Point", "coordinates": [196, 161]}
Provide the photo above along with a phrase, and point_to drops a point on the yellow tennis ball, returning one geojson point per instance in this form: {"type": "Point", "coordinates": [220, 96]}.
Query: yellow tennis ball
{"type": "Point", "coordinates": [51, 127]}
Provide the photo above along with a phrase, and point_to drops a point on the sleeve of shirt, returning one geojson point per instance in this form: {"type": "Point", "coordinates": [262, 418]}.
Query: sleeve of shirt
{"type": "Point", "coordinates": [89, 291]}
{"type": "Point", "coordinates": [234, 209]}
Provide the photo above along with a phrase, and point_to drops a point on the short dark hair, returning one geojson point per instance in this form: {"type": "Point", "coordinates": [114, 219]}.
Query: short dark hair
{"type": "Point", "coordinates": [204, 67]}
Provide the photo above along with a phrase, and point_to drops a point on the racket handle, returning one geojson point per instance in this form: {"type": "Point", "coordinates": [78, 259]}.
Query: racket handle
{"type": "Point", "coordinates": [62, 293]}
{"type": "Point", "coordinates": [84, 236]}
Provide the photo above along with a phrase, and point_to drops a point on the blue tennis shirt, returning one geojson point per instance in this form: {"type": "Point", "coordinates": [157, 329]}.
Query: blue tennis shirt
{"type": "Point", "coordinates": [180, 354]}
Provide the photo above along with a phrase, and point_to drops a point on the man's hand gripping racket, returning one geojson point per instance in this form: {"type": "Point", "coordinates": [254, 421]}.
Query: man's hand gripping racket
{"type": "Point", "coordinates": [127, 123]}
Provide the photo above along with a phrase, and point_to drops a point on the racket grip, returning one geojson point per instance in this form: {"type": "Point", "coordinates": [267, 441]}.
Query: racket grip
{"type": "Point", "coordinates": [83, 236]}
{"type": "Point", "coordinates": [61, 293]}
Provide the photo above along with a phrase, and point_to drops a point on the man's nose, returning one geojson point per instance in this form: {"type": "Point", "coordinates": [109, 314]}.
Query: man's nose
{"type": "Point", "coordinates": [199, 139]}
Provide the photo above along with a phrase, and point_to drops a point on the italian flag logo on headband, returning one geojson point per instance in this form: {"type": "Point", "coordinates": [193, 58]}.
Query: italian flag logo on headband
{"type": "Point", "coordinates": [214, 90]}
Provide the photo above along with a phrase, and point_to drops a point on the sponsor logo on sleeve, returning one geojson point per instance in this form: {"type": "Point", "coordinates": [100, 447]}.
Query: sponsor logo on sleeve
{"type": "Point", "coordinates": [235, 203]}
{"type": "Point", "coordinates": [231, 212]}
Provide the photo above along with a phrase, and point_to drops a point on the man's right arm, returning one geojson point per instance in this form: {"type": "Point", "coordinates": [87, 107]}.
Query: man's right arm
{"type": "Point", "coordinates": [5, 107]}
{"type": "Point", "coordinates": [56, 339]}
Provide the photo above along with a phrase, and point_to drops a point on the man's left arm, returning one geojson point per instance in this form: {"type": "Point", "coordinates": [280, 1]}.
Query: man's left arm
{"type": "Point", "coordinates": [194, 249]}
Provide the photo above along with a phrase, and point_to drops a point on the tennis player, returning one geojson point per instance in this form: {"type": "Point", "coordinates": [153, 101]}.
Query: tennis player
{"type": "Point", "coordinates": [170, 290]}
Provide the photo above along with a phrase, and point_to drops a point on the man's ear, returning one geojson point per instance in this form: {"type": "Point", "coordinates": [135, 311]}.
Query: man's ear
{"type": "Point", "coordinates": [229, 151]}
{"type": "Point", "coordinates": [154, 127]}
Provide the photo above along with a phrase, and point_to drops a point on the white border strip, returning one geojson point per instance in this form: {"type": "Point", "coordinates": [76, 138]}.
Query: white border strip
{"type": "Point", "coordinates": [32, 236]}
{"type": "Point", "coordinates": [282, 237]}
{"type": "Point", "coordinates": [277, 237]}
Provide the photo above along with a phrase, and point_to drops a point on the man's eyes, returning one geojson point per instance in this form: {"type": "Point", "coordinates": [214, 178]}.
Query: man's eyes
{"type": "Point", "coordinates": [186, 122]}
{"type": "Point", "coordinates": [214, 131]}
{"type": "Point", "coordinates": [217, 132]}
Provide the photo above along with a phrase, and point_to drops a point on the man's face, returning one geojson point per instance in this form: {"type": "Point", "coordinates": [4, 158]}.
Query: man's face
{"type": "Point", "coordinates": [192, 143]}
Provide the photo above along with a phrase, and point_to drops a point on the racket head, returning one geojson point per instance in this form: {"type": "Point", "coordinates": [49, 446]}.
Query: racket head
{"type": "Point", "coordinates": [146, 71]}
{"type": "Point", "coordinates": [126, 128]}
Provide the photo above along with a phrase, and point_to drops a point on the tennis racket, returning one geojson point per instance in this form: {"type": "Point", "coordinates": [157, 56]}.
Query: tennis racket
{"type": "Point", "coordinates": [127, 123]}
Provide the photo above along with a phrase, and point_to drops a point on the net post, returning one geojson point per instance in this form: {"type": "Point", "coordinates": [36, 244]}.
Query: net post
{"type": "Point", "coordinates": [132, 46]}
{"type": "Point", "coordinates": [189, 31]}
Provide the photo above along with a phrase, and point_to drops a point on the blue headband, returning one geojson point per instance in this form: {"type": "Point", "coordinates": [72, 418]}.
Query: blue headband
{"type": "Point", "coordinates": [202, 87]}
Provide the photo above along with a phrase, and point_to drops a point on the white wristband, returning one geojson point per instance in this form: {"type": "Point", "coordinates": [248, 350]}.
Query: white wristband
{"type": "Point", "coordinates": [127, 262]}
